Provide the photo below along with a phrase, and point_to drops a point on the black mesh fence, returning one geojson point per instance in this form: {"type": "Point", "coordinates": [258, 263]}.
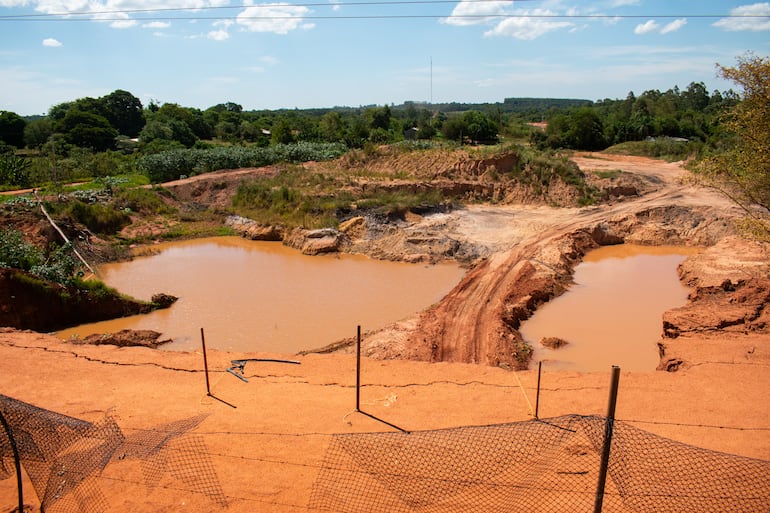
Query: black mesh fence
{"type": "Point", "coordinates": [65, 457]}
{"type": "Point", "coordinates": [548, 465]}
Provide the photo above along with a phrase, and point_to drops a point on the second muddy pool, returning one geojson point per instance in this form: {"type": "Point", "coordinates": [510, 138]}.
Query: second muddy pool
{"type": "Point", "coordinates": [612, 315]}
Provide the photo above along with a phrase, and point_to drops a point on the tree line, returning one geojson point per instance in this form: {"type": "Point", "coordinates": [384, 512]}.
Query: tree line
{"type": "Point", "coordinates": [692, 114]}
{"type": "Point", "coordinates": [93, 136]}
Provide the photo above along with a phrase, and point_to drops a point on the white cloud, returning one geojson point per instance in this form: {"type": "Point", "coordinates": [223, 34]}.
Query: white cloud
{"type": "Point", "coordinates": [113, 11]}
{"type": "Point", "coordinates": [53, 43]}
{"type": "Point", "coordinates": [279, 18]}
{"type": "Point", "coordinates": [157, 25]}
{"type": "Point", "coordinates": [470, 12]}
{"type": "Point", "coordinates": [742, 19]}
{"type": "Point", "coordinates": [652, 26]}
{"type": "Point", "coordinates": [527, 27]}
{"type": "Point", "coordinates": [646, 27]}
{"type": "Point", "coordinates": [673, 26]}
{"type": "Point", "coordinates": [520, 24]}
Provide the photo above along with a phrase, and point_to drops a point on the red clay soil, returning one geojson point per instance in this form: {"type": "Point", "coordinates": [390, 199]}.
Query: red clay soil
{"type": "Point", "coordinates": [266, 438]}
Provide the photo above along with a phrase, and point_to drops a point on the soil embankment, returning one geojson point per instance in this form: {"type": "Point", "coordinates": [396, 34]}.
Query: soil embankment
{"type": "Point", "coordinates": [531, 258]}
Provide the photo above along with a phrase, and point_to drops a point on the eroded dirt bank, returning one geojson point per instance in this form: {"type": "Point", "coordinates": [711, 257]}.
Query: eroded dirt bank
{"type": "Point", "coordinates": [525, 256]}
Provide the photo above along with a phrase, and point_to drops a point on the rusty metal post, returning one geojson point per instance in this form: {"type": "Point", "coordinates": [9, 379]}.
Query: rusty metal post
{"type": "Point", "coordinates": [205, 363]}
{"type": "Point", "coordinates": [537, 397]}
{"type": "Point", "coordinates": [607, 439]}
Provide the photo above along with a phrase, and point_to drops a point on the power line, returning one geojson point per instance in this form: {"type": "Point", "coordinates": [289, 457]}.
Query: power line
{"type": "Point", "coordinates": [89, 15]}
{"type": "Point", "coordinates": [378, 17]}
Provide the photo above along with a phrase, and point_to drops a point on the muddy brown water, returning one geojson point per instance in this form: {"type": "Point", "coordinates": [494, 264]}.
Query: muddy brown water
{"type": "Point", "coordinates": [263, 296]}
{"type": "Point", "coordinates": [612, 315]}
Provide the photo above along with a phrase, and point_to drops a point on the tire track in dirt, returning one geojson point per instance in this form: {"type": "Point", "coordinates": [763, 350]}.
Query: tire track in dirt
{"type": "Point", "coordinates": [477, 321]}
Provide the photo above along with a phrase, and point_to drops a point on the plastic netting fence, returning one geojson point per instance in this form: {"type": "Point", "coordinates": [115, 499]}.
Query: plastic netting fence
{"type": "Point", "coordinates": [64, 456]}
{"type": "Point", "coordinates": [540, 465]}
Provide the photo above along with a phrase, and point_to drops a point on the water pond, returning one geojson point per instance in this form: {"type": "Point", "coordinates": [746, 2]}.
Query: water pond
{"type": "Point", "coordinates": [612, 315]}
{"type": "Point", "coordinates": [263, 296]}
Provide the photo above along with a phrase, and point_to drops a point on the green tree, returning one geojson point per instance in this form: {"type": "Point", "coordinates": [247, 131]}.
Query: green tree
{"type": "Point", "coordinates": [585, 130]}
{"type": "Point", "coordinates": [479, 127]}
{"type": "Point", "coordinates": [743, 172]}
{"type": "Point", "coordinates": [281, 132]}
{"type": "Point", "coordinates": [473, 125]}
{"type": "Point", "coordinates": [124, 112]}
{"type": "Point", "coordinates": [249, 132]}
{"type": "Point", "coordinates": [88, 130]}
{"type": "Point", "coordinates": [193, 118]}
{"type": "Point", "coordinates": [227, 131]}
{"type": "Point", "coordinates": [454, 129]}
{"type": "Point", "coordinates": [696, 96]}
{"type": "Point", "coordinates": [12, 129]}
{"type": "Point", "coordinates": [380, 117]}
{"type": "Point", "coordinates": [37, 132]}
{"type": "Point", "coordinates": [332, 127]}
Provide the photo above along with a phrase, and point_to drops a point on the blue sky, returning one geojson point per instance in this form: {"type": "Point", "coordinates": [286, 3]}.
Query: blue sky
{"type": "Point", "coordinates": [323, 53]}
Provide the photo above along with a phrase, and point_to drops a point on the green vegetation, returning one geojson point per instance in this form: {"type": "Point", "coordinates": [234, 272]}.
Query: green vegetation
{"type": "Point", "coordinates": [58, 265]}
{"type": "Point", "coordinates": [613, 173]}
{"type": "Point", "coordinates": [293, 198]}
{"type": "Point", "coordinates": [144, 201]}
{"type": "Point", "coordinates": [664, 148]}
{"type": "Point", "coordinates": [175, 164]}
{"type": "Point", "coordinates": [14, 172]}
{"type": "Point", "coordinates": [113, 144]}
{"type": "Point", "coordinates": [675, 122]}
{"type": "Point", "coordinates": [116, 135]}
{"type": "Point", "coordinates": [100, 218]}
{"type": "Point", "coordinates": [741, 170]}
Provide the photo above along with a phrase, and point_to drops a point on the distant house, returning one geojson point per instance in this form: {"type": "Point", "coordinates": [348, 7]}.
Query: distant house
{"type": "Point", "coordinates": [410, 134]}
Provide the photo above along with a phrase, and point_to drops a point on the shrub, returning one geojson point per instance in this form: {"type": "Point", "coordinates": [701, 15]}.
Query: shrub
{"type": "Point", "coordinates": [146, 201]}
{"type": "Point", "coordinates": [99, 218]}
{"type": "Point", "coordinates": [59, 266]}
{"type": "Point", "coordinates": [18, 253]}
{"type": "Point", "coordinates": [662, 147]}
{"type": "Point", "coordinates": [14, 171]}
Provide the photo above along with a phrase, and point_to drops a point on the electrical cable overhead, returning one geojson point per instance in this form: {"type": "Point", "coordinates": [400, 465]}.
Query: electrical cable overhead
{"type": "Point", "coordinates": [120, 14]}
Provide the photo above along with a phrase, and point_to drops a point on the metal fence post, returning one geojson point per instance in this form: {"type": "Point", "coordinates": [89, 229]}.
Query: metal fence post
{"type": "Point", "coordinates": [205, 363]}
{"type": "Point", "coordinates": [16, 461]}
{"type": "Point", "coordinates": [358, 369]}
{"type": "Point", "coordinates": [607, 439]}
{"type": "Point", "coordinates": [537, 397]}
